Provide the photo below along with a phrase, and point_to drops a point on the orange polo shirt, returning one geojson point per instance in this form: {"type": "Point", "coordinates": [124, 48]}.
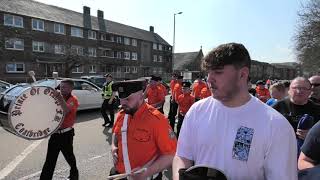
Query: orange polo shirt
{"type": "Point", "coordinates": [205, 92]}
{"type": "Point", "coordinates": [263, 94]}
{"type": "Point", "coordinates": [177, 91]}
{"type": "Point", "coordinates": [185, 101]}
{"type": "Point", "coordinates": [155, 94]}
{"type": "Point", "coordinates": [70, 118]}
{"type": "Point", "coordinates": [172, 84]}
{"type": "Point", "coordinates": [197, 87]}
{"type": "Point", "coordinates": [149, 135]}
{"type": "Point", "coordinates": [163, 88]}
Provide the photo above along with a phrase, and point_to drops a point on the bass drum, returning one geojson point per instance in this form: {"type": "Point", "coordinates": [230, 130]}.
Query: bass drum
{"type": "Point", "coordinates": [30, 112]}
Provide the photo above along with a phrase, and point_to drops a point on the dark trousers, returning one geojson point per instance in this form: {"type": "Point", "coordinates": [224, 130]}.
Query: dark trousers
{"type": "Point", "coordinates": [106, 107]}
{"type": "Point", "coordinates": [64, 143]}
{"type": "Point", "coordinates": [180, 121]}
{"type": "Point", "coordinates": [172, 113]}
{"type": "Point", "coordinates": [161, 110]}
{"type": "Point", "coordinates": [113, 171]}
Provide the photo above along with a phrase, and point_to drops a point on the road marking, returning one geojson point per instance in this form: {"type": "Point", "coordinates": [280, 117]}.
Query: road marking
{"type": "Point", "coordinates": [96, 157]}
{"type": "Point", "coordinates": [13, 164]}
{"type": "Point", "coordinates": [38, 173]}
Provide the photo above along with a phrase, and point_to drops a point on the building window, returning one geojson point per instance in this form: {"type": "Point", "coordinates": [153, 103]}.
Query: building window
{"type": "Point", "coordinates": [119, 55]}
{"type": "Point", "coordinates": [118, 69]}
{"type": "Point", "coordinates": [107, 53]}
{"type": "Point", "coordinates": [159, 70]}
{"type": "Point", "coordinates": [103, 37]}
{"type": "Point", "coordinates": [14, 43]}
{"type": "Point", "coordinates": [59, 49]}
{"type": "Point", "coordinates": [109, 69]}
{"type": "Point", "coordinates": [160, 58]}
{"type": "Point", "coordinates": [92, 52]}
{"type": "Point", "coordinates": [134, 56]}
{"type": "Point", "coordinates": [154, 70]}
{"type": "Point", "coordinates": [134, 70]}
{"type": "Point", "coordinates": [126, 55]}
{"type": "Point", "coordinates": [15, 67]}
{"type": "Point", "coordinates": [154, 46]}
{"type": "Point", "coordinates": [126, 41]}
{"type": "Point", "coordinates": [11, 20]}
{"type": "Point", "coordinates": [59, 28]}
{"type": "Point", "coordinates": [76, 32]}
{"type": "Point", "coordinates": [38, 24]}
{"type": "Point", "coordinates": [92, 69]}
{"type": "Point", "coordinates": [38, 46]}
{"type": "Point", "coordinates": [134, 42]}
{"type": "Point", "coordinates": [78, 69]}
{"type": "Point", "coordinates": [92, 35]}
{"type": "Point", "coordinates": [160, 47]}
{"type": "Point", "coordinates": [119, 40]}
{"type": "Point", "coordinates": [127, 69]}
{"type": "Point", "coordinates": [77, 50]}
{"type": "Point", "coordinates": [154, 58]}
{"type": "Point", "coordinates": [112, 38]}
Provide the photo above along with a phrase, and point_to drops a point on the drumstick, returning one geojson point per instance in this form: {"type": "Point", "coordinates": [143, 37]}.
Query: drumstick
{"type": "Point", "coordinates": [55, 77]}
{"type": "Point", "coordinates": [31, 73]}
{"type": "Point", "coordinates": [120, 176]}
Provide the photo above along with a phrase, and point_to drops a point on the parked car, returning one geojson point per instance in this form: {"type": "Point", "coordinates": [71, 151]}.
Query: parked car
{"type": "Point", "coordinates": [88, 94]}
{"type": "Point", "coordinates": [4, 85]}
{"type": "Point", "coordinates": [97, 80]}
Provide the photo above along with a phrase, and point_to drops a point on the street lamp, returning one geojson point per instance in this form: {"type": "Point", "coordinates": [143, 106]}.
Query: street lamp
{"type": "Point", "coordinates": [174, 34]}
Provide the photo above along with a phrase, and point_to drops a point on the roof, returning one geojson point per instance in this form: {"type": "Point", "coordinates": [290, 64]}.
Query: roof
{"type": "Point", "coordinates": [57, 14]}
{"type": "Point", "coordinates": [182, 59]}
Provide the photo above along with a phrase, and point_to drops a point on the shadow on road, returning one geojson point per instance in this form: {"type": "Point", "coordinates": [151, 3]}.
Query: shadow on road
{"type": "Point", "coordinates": [108, 132]}
{"type": "Point", "coordinates": [88, 115]}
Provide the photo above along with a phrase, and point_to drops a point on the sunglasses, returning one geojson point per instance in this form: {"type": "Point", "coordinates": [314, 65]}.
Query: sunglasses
{"type": "Point", "coordinates": [315, 85]}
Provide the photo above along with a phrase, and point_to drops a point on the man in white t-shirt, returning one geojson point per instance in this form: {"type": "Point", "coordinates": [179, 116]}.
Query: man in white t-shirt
{"type": "Point", "coordinates": [233, 131]}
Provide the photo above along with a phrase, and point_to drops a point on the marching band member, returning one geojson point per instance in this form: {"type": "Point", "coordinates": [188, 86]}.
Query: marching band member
{"type": "Point", "coordinates": [141, 136]}
{"type": "Point", "coordinates": [155, 94]}
{"type": "Point", "coordinates": [62, 139]}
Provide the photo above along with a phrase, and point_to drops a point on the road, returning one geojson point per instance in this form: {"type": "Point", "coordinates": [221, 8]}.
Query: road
{"type": "Point", "coordinates": [23, 160]}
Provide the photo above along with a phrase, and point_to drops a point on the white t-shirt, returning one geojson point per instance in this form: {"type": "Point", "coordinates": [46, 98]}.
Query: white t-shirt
{"type": "Point", "coordinates": [252, 141]}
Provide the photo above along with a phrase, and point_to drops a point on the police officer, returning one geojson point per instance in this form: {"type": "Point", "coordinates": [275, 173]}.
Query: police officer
{"type": "Point", "coordinates": [107, 104]}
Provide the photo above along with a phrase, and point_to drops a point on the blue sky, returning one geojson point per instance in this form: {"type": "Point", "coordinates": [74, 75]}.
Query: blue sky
{"type": "Point", "coordinates": [265, 27]}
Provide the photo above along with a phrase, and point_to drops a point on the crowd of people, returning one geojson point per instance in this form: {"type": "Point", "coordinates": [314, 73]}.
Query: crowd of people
{"type": "Point", "coordinates": [270, 131]}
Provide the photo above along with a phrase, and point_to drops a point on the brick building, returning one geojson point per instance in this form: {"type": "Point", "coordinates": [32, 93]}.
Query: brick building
{"type": "Point", "coordinates": [45, 38]}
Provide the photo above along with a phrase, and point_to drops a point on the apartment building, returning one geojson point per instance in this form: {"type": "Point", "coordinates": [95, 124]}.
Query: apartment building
{"type": "Point", "coordinates": [45, 38]}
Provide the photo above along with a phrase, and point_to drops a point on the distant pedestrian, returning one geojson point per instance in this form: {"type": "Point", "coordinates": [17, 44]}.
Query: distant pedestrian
{"type": "Point", "coordinates": [107, 105]}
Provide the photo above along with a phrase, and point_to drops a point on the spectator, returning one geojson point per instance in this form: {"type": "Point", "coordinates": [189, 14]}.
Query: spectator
{"type": "Point", "coordinates": [277, 92]}
{"type": "Point", "coordinates": [262, 92]}
{"type": "Point", "coordinates": [315, 89]}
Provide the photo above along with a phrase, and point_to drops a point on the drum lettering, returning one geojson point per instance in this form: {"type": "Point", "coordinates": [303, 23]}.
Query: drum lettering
{"type": "Point", "coordinates": [17, 107]}
{"type": "Point", "coordinates": [18, 125]}
{"type": "Point", "coordinates": [24, 97]}
{"type": "Point", "coordinates": [46, 91]}
{"type": "Point", "coordinates": [19, 101]}
{"type": "Point", "coordinates": [33, 91]}
{"type": "Point", "coordinates": [59, 111]}
{"type": "Point", "coordinates": [16, 113]}
{"type": "Point", "coordinates": [21, 130]}
{"type": "Point", "coordinates": [39, 133]}
{"type": "Point", "coordinates": [57, 118]}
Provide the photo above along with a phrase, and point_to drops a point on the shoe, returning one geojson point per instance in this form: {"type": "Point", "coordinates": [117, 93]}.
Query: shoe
{"type": "Point", "coordinates": [110, 125]}
{"type": "Point", "coordinates": [104, 124]}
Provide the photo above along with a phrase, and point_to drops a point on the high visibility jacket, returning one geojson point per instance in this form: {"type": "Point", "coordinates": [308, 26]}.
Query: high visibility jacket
{"type": "Point", "coordinates": [107, 90]}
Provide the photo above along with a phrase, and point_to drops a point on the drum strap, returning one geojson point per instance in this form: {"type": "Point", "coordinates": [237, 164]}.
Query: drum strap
{"type": "Point", "coordinates": [125, 154]}
{"type": "Point", "coordinates": [124, 141]}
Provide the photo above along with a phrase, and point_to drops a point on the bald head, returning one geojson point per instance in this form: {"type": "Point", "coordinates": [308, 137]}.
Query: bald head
{"type": "Point", "coordinates": [315, 87]}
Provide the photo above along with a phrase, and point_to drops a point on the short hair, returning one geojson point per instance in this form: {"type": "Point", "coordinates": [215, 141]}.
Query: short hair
{"type": "Point", "coordinates": [226, 54]}
{"type": "Point", "coordinates": [299, 78]}
{"type": "Point", "coordinates": [278, 86]}
{"type": "Point", "coordinates": [286, 84]}
{"type": "Point", "coordinates": [68, 81]}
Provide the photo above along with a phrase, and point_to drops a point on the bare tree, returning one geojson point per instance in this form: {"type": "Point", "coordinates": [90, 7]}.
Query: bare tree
{"type": "Point", "coordinates": [307, 39]}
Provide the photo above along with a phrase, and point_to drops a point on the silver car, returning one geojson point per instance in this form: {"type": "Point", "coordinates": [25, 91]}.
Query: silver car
{"type": "Point", "coordinates": [4, 85]}
{"type": "Point", "coordinates": [88, 94]}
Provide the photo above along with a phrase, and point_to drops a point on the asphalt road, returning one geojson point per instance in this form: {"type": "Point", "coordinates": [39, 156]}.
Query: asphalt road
{"type": "Point", "coordinates": [23, 160]}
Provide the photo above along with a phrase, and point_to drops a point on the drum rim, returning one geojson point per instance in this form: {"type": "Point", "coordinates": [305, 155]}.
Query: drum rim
{"type": "Point", "coordinates": [10, 121]}
{"type": "Point", "coordinates": [206, 166]}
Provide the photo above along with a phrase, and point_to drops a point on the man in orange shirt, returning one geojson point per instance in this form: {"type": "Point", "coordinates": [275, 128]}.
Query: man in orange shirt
{"type": "Point", "coordinates": [155, 94]}
{"type": "Point", "coordinates": [163, 88]}
{"type": "Point", "coordinates": [184, 101]}
{"type": "Point", "coordinates": [205, 92]}
{"type": "Point", "coordinates": [177, 91]}
{"type": "Point", "coordinates": [62, 139]}
{"type": "Point", "coordinates": [142, 140]}
{"type": "Point", "coordinates": [197, 86]}
{"type": "Point", "coordinates": [262, 92]}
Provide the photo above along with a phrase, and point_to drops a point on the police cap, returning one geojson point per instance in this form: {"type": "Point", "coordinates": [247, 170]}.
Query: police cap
{"type": "Point", "coordinates": [125, 88]}
{"type": "Point", "coordinates": [180, 77]}
{"type": "Point", "coordinates": [108, 75]}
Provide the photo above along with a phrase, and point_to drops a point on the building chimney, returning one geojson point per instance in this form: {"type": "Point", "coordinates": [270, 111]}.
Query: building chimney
{"type": "Point", "coordinates": [151, 29]}
{"type": "Point", "coordinates": [101, 21]}
{"type": "Point", "coordinates": [86, 17]}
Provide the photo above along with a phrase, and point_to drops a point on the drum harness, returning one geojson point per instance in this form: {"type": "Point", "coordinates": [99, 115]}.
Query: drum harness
{"type": "Point", "coordinates": [125, 154]}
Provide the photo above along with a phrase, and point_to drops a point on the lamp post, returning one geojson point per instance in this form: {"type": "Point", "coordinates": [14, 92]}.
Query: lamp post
{"type": "Point", "coordinates": [174, 34]}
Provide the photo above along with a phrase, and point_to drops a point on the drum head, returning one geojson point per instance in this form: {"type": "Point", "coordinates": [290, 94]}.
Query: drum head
{"type": "Point", "coordinates": [35, 113]}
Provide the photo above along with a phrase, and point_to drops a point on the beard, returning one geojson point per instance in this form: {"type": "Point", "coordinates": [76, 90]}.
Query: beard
{"type": "Point", "coordinates": [129, 110]}
{"type": "Point", "coordinates": [226, 93]}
